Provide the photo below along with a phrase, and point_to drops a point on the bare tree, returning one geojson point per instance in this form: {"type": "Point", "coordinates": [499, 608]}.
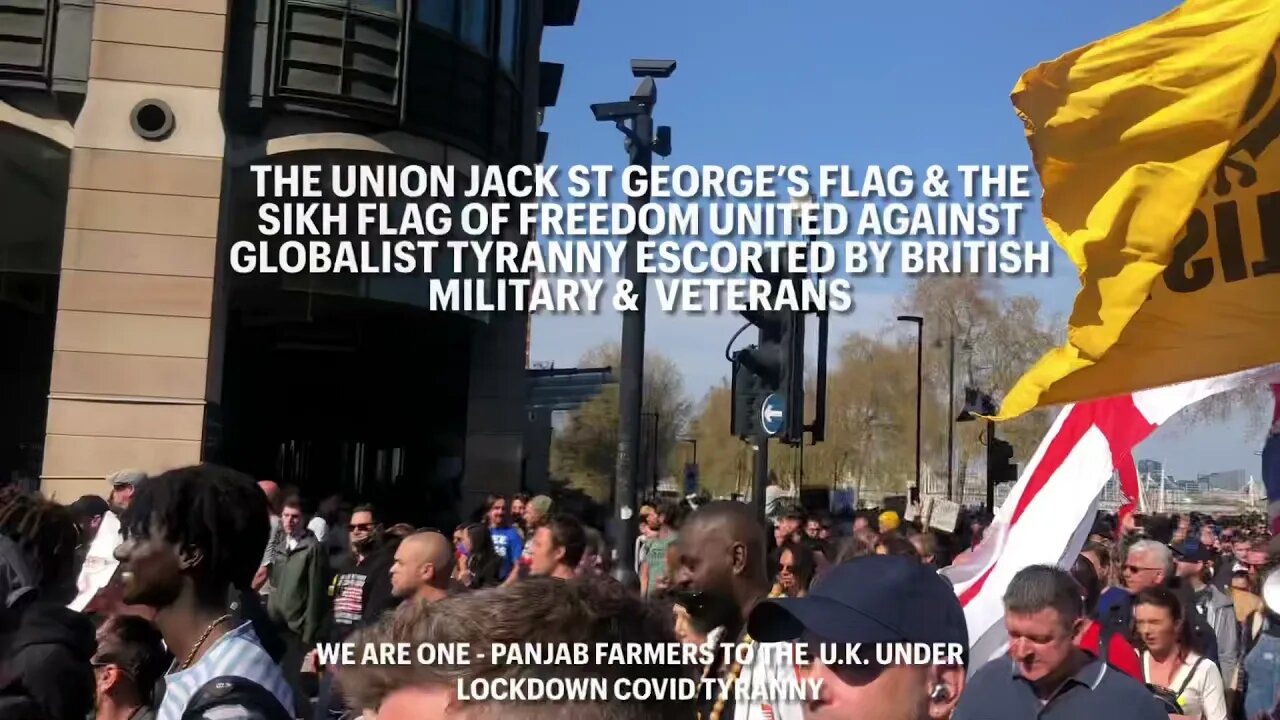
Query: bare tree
{"type": "Point", "coordinates": [584, 451]}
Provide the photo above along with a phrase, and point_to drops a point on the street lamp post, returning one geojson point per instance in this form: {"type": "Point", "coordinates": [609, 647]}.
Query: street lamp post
{"type": "Point", "coordinates": [694, 443]}
{"type": "Point", "coordinates": [652, 459]}
{"type": "Point", "coordinates": [642, 143]}
{"type": "Point", "coordinates": [919, 323]}
{"type": "Point", "coordinates": [657, 422]}
{"type": "Point", "coordinates": [951, 417]}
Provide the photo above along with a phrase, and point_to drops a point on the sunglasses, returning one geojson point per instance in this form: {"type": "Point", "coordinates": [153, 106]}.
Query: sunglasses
{"type": "Point", "coordinates": [786, 568]}
{"type": "Point", "coordinates": [1134, 569]}
{"type": "Point", "coordinates": [109, 660]}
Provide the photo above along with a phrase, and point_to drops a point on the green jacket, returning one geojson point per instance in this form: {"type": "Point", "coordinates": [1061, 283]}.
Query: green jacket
{"type": "Point", "coordinates": [299, 599]}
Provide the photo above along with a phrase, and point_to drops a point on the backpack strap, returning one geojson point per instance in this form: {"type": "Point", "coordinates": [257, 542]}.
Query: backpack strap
{"type": "Point", "coordinates": [230, 697]}
{"type": "Point", "coordinates": [1190, 674]}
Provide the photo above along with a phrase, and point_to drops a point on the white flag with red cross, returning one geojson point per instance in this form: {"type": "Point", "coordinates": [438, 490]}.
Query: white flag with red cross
{"type": "Point", "coordinates": [1050, 510]}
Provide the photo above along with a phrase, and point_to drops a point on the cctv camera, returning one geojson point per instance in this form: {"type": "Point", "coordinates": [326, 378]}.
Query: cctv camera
{"type": "Point", "coordinates": [616, 110]}
{"type": "Point", "coordinates": [653, 68]}
{"type": "Point", "coordinates": [646, 93]}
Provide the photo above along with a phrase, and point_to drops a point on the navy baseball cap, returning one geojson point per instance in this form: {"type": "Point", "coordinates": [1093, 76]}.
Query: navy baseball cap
{"type": "Point", "coordinates": [1192, 553]}
{"type": "Point", "coordinates": [870, 600]}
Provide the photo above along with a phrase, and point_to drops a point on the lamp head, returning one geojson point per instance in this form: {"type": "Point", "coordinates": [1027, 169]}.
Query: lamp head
{"type": "Point", "coordinates": [653, 68]}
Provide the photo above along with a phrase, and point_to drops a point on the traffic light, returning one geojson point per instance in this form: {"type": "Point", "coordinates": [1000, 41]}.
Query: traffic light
{"type": "Point", "coordinates": [690, 479]}
{"type": "Point", "coordinates": [773, 366]}
{"type": "Point", "coordinates": [747, 393]}
{"type": "Point", "coordinates": [1000, 466]}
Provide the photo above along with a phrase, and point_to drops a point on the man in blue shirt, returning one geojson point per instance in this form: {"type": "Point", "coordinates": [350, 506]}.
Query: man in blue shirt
{"type": "Point", "coordinates": [506, 539]}
{"type": "Point", "coordinates": [1046, 675]}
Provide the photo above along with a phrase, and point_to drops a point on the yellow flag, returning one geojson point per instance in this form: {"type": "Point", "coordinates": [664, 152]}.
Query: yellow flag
{"type": "Point", "coordinates": [1161, 171]}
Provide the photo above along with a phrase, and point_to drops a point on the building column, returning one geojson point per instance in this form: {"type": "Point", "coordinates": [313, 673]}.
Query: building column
{"type": "Point", "coordinates": [131, 346]}
{"type": "Point", "coordinates": [496, 417]}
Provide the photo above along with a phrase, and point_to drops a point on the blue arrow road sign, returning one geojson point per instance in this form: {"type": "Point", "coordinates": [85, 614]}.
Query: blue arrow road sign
{"type": "Point", "coordinates": [772, 414]}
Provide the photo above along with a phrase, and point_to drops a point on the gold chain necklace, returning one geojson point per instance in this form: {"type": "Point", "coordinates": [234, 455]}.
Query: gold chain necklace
{"type": "Point", "coordinates": [191, 656]}
{"type": "Point", "coordinates": [734, 670]}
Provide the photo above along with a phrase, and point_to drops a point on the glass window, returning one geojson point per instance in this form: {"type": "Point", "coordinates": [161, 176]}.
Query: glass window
{"type": "Point", "coordinates": [437, 13]}
{"type": "Point", "coordinates": [509, 43]}
{"type": "Point", "coordinates": [389, 7]}
{"type": "Point", "coordinates": [474, 24]}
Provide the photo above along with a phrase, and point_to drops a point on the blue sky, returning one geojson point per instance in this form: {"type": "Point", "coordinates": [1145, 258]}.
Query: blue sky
{"type": "Point", "coordinates": [832, 82]}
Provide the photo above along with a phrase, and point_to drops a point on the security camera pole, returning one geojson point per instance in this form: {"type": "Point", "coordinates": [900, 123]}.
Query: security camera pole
{"type": "Point", "coordinates": [641, 145]}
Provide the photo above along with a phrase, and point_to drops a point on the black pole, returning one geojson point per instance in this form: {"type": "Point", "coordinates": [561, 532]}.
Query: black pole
{"type": "Point", "coordinates": [800, 482]}
{"type": "Point", "coordinates": [657, 420]}
{"type": "Point", "coordinates": [761, 480]}
{"type": "Point", "coordinates": [991, 486]}
{"type": "Point", "coordinates": [818, 432]}
{"type": "Point", "coordinates": [951, 418]}
{"type": "Point", "coordinates": [919, 323]}
{"type": "Point", "coordinates": [919, 397]}
{"type": "Point", "coordinates": [631, 383]}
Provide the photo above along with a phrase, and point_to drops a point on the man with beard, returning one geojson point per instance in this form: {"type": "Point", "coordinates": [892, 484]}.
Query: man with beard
{"type": "Point", "coordinates": [352, 571]}
{"type": "Point", "coordinates": [195, 534]}
{"type": "Point", "coordinates": [723, 574]}
{"type": "Point", "coordinates": [348, 593]}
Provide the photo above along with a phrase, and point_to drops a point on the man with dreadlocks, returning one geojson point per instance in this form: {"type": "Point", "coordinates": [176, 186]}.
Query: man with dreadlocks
{"type": "Point", "coordinates": [195, 537]}
{"type": "Point", "coordinates": [44, 647]}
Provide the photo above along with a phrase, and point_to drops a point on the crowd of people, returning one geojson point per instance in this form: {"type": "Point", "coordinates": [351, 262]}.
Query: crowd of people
{"type": "Point", "coordinates": [202, 594]}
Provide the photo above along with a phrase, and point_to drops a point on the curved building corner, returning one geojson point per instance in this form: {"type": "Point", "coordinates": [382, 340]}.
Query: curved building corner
{"type": "Point", "coordinates": [127, 128]}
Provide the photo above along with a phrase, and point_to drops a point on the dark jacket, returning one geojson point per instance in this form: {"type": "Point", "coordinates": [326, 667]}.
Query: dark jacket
{"type": "Point", "coordinates": [45, 657]}
{"type": "Point", "coordinates": [483, 574]}
{"type": "Point", "coordinates": [299, 597]}
{"type": "Point", "coordinates": [346, 595]}
{"type": "Point", "coordinates": [16, 578]}
{"type": "Point", "coordinates": [246, 606]}
{"type": "Point", "coordinates": [378, 599]}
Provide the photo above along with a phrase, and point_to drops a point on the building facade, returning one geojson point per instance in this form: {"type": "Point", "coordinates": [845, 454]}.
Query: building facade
{"type": "Point", "coordinates": [127, 129]}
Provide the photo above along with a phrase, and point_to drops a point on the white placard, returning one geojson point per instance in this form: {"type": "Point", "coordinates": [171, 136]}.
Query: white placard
{"type": "Point", "coordinates": [945, 516]}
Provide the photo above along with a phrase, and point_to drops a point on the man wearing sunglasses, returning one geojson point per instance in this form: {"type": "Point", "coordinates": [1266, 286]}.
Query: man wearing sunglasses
{"type": "Point", "coordinates": [129, 663]}
{"type": "Point", "coordinates": [347, 590]}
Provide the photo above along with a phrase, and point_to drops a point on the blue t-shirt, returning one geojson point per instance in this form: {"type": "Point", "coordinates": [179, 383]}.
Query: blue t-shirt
{"type": "Point", "coordinates": [509, 546]}
{"type": "Point", "coordinates": [1117, 598]}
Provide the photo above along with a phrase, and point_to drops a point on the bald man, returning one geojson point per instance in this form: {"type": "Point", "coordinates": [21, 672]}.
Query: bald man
{"type": "Point", "coordinates": [423, 567]}
{"type": "Point", "coordinates": [721, 551]}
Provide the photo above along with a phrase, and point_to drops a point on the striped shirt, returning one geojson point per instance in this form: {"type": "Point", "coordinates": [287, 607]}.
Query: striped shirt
{"type": "Point", "coordinates": [238, 653]}
{"type": "Point", "coordinates": [273, 551]}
